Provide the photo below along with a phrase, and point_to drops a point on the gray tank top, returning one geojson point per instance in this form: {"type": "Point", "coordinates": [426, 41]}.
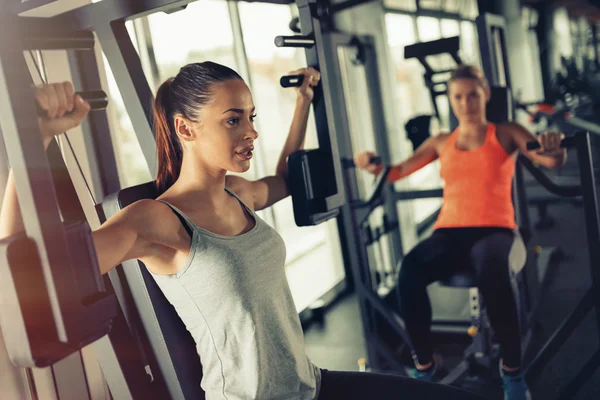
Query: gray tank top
{"type": "Point", "coordinates": [233, 296]}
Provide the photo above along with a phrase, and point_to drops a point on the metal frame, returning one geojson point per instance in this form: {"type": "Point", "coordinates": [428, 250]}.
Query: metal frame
{"type": "Point", "coordinates": [355, 256]}
{"type": "Point", "coordinates": [324, 110]}
{"type": "Point", "coordinates": [591, 299]}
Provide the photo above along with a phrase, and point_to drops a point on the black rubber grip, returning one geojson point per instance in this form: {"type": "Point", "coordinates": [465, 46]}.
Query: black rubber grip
{"type": "Point", "coordinates": [375, 160]}
{"type": "Point", "coordinates": [294, 41]}
{"type": "Point", "coordinates": [536, 145]}
{"type": "Point", "coordinates": [533, 145]}
{"type": "Point", "coordinates": [97, 99]}
{"type": "Point", "coordinates": [291, 81]}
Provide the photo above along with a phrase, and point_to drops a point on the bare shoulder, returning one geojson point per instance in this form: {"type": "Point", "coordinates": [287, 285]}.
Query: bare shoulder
{"type": "Point", "coordinates": [509, 128]}
{"type": "Point", "coordinates": [241, 187]}
{"type": "Point", "coordinates": [439, 141]}
{"type": "Point", "coordinates": [508, 134]}
{"type": "Point", "coordinates": [151, 219]}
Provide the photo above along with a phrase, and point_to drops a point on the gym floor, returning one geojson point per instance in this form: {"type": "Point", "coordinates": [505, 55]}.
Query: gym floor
{"type": "Point", "coordinates": [339, 342]}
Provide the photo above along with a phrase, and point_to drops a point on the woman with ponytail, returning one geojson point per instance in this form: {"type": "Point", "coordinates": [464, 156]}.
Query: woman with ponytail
{"type": "Point", "coordinates": [216, 261]}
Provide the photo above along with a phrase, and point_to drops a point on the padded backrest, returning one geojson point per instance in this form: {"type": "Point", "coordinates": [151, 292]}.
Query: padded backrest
{"type": "Point", "coordinates": [500, 107]}
{"type": "Point", "coordinates": [169, 346]}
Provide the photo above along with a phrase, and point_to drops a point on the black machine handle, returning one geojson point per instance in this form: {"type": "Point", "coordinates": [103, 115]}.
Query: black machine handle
{"type": "Point", "coordinates": [97, 99]}
{"type": "Point", "coordinates": [566, 142]}
{"type": "Point", "coordinates": [291, 81]}
{"type": "Point", "coordinates": [294, 41]}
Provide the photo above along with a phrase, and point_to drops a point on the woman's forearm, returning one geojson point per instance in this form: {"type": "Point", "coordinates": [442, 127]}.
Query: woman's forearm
{"type": "Point", "coordinates": [296, 136]}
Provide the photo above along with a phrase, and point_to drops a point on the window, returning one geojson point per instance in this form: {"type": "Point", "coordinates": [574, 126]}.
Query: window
{"type": "Point", "coordinates": [431, 4]}
{"type": "Point", "coordinates": [181, 38]}
{"type": "Point", "coordinates": [413, 98]}
{"type": "Point", "coordinates": [402, 5]}
{"type": "Point", "coordinates": [450, 27]}
{"type": "Point", "coordinates": [131, 163]}
{"type": "Point", "coordinates": [429, 29]}
{"type": "Point", "coordinates": [469, 43]}
{"type": "Point", "coordinates": [313, 259]}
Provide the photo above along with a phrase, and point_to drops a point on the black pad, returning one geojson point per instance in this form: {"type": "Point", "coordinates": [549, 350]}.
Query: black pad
{"type": "Point", "coordinates": [418, 130]}
{"type": "Point", "coordinates": [169, 346]}
{"type": "Point", "coordinates": [310, 174]}
{"type": "Point", "coordinates": [500, 107]}
{"type": "Point", "coordinates": [460, 280]}
{"type": "Point", "coordinates": [434, 47]}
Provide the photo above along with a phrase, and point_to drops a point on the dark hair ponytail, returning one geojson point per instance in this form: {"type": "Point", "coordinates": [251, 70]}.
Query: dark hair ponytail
{"type": "Point", "coordinates": [186, 94]}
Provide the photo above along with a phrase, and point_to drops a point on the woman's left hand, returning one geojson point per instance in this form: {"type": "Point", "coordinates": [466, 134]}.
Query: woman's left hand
{"type": "Point", "coordinates": [311, 79]}
{"type": "Point", "coordinates": [550, 144]}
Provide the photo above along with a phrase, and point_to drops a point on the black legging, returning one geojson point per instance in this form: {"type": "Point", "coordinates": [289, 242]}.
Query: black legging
{"type": "Point", "coordinates": [490, 253]}
{"type": "Point", "coordinates": [337, 385]}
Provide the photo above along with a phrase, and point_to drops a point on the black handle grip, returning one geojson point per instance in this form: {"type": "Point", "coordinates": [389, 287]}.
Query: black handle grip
{"type": "Point", "coordinates": [97, 99]}
{"type": "Point", "coordinates": [294, 41]}
{"type": "Point", "coordinates": [536, 145]}
{"type": "Point", "coordinates": [375, 160]}
{"type": "Point", "coordinates": [291, 81]}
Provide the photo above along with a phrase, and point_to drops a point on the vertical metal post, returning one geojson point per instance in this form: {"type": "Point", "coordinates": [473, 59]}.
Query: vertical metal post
{"type": "Point", "coordinates": [381, 139]}
{"type": "Point", "coordinates": [324, 109]}
{"type": "Point", "coordinates": [590, 206]}
{"type": "Point", "coordinates": [96, 130]}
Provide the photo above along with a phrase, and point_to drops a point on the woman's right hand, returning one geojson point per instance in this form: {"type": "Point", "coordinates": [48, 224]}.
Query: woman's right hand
{"type": "Point", "coordinates": [63, 109]}
{"type": "Point", "coordinates": [363, 159]}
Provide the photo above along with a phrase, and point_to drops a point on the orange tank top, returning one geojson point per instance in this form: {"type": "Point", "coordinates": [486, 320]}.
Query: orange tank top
{"type": "Point", "coordinates": [477, 185]}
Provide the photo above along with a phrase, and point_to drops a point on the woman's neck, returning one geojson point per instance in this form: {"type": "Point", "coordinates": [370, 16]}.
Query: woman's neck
{"type": "Point", "coordinates": [195, 178]}
{"type": "Point", "coordinates": [473, 129]}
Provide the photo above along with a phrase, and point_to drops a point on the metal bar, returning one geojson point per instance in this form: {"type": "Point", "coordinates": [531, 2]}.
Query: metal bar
{"type": "Point", "coordinates": [560, 336]}
{"type": "Point", "coordinates": [97, 139]}
{"type": "Point", "coordinates": [520, 202]}
{"type": "Point", "coordinates": [583, 124]}
{"type": "Point", "coordinates": [485, 24]}
{"type": "Point", "coordinates": [590, 207]}
{"type": "Point", "coordinates": [546, 182]}
{"type": "Point", "coordinates": [371, 70]}
{"type": "Point", "coordinates": [348, 4]}
{"type": "Point", "coordinates": [584, 374]}
{"type": "Point", "coordinates": [127, 68]}
{"type": "Point", "coordinates": [428, 13]}
{"type": "Point", "coordinates": [418, 194]}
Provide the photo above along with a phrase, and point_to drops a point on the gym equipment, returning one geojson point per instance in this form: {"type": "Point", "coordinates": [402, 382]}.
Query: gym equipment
{"type": "Point", "coordinates": [98, 100]}
{"type": "Point", "coordinates": [53, 299]}
{"type": "Point", "coordinates": [582, 143]}
{"type": "Point", "coordinates": [316, 190]}
{"type": "Point", "coordinates": [291, 81]}
{"type": "Point", "coordinates": [421, 51]}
